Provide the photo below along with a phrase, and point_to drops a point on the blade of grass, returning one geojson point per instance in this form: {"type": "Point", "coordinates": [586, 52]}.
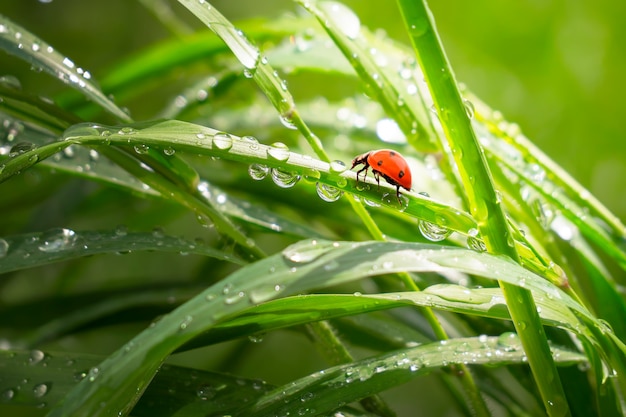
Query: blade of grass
{"type": "Point", "coordinates": [484, 204]}
{"type": "Point", "coordinates": [119, 381]}
{"type": "Point", "coordinates": [18, 41]}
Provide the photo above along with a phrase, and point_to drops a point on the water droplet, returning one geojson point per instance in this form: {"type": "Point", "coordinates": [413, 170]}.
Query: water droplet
{"type": "Point", "coordinates": [4, 248]}
{"type": "Point", "coordinates": [36, 356]}
{"type": "Point", "coordinates": [304, 251]}
{"type": "Point", "coordinates": [56, 240]}
{"type": "Point", "coordinates": [328, 193]}
{"type": "Point", "coordinates": [206, 392]}
{"type": "Point", "coordinates": [40, 390]}
{"type": "Point", "coordinates": [469, 108]}
{"type": "Point", "coordinates": [252, 142]}
{"type": "Point", "coordinates": [286, 118]}
{"type": "Point", "coordinates": [223, 141]}
{"type": "Point", "coordinates": [510, 341]}
{"type": "Point", "coordinates": [433, 231]}
{"type": "Point", "coordinates": [185, 323]}
{"type": "Point", "coordinates": [20, 148]}
{"type": "Point", "coordinates": [141, 148]}
{"type": "Point", "coordinates": [11, 81]}
{"type": "Point", "coordinates": [169, 151]}
{"type": "Point", "coordinates": [7, 395]}
{"type": "Point", "coordinates": [278, 151]}
{"type": "Point", "coordinates": [338, 166]}
{"type": "Point", "coordinates": [258, 171]}
{"type": "Point", "coordinates": [93, 374]}
{"type": "Point", "coordinates": [127, 130]}
{"type": "Point", "coordinates": [284, 179]}
{"type": "Point", "coordinates": [256, 338]}
{"type": "Point", "coordinates": [342, 17]}
{"type": "Point", "coordinates": [388, 131]}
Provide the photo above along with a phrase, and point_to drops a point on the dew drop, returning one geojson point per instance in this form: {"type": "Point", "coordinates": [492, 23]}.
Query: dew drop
{"type": "Point", "coordinates": [56, 240]}
{"type": "Point", "coordinates": [141, 148]}
{"type": "Point", "coordinates": [169, 151]}
{"type": "Point", "coordinates": [258, 171]}
{"type": "Point", "coordinates": [469, 108]}
{"type": "Point", "coordinates": [433, 231]}
{"type": "Point", "coordinates": [20, 148]}
{"type": "Point", "coordinates": [40, 390]}
{"type": "Point", "coordinates": [206, 392]}
{"type": "Point", "coordinates": [284, 179]}
{"type": "Point", "coordinates": [327, 192]}
{"type": "Point", "coordinates": [185, 323]}
{"type": "Point", "coordinates": [286, 118]}
{"type": "Point", "coordinates": [338, 166]}
{"type": "Point", "coordinates": [252, 142]}
{"type": "Point", "coordinates": [36, 356]}
{"type": "Point", "coordinates": [278, 151]}
{"type": "Point", "coordinates": [223, 141]}
{"type": "Point", "coordinates": [4, 248]}
{"type": "Point", "coordinates": [7, 395]}
{"type": "Point", "coordinates": [304, 251]}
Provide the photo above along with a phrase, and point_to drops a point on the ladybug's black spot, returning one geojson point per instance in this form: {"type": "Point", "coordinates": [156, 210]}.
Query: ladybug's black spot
{"type": "Point", "coordinates": [392, 153]}
{"type": "Point", "coordinates": [400, 174]}
{"type": "Point", "coordinates": [379, 163]}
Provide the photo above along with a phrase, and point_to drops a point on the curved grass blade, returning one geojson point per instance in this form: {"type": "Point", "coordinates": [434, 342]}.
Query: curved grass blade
{"type": "Point", "coordinates": [36, 380]}
{"type": "Point", "coordinates": [346, 383]}
{"type": "Point", "coordinates": [293, 311]}
{"type": "Point", "coordinates": [18, 41]}
{"type": "Point", "coordinates": [258, 68]}
{"type": "Point", "coordinates": [300, 268]}
{"type": "Point", "coordinates": [35, 249]}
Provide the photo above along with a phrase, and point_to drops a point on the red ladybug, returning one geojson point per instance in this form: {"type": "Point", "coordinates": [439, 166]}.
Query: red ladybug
{"type": "Point", "coordinates": [387, 164]}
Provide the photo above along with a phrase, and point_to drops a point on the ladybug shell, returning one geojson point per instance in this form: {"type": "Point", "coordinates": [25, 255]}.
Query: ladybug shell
{"type": "Point", "coordinates": [390, 165]}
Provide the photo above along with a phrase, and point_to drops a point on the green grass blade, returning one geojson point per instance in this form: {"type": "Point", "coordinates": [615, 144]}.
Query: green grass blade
{"type": "Point", "coordinates": [57, 245]}
{"type": "Point", "coordinates": [298, 269]}
{"type": "Point", "coordinates": [324, 390]}
{"type": "Point", "coordinates": [18, 41]}
{"type": "Point", "coordinates": [483, 201]}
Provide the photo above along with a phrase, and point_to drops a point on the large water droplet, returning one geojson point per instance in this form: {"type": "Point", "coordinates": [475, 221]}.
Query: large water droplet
{"type": "Point", "coordinates": [278, 151]}
{"type": "Point", "coordinates": [56, 240]}
{"type": "Point", "coordinates": [20, 148]}
{"type": "Point", "coordinates": [284, 179]}
{"type": "Point", "coordinates": [223, 141]}
{"type": "Point", "coordinates": [36, 356]}
{"type": "Point", "coordinates": [343, 17]}
{"type": "Point", "coordinates": [327, 192]}
{"type": "Point", "coordinates": [141, 148]}
{"type": "Point", "coordinates": [433, 231]}
{"type": "Point", "coordinates": [258, 171]}
{"type": "Point", "coordinates": [338, 166]}
{"type": "Point", "coordinates": [40, 390]}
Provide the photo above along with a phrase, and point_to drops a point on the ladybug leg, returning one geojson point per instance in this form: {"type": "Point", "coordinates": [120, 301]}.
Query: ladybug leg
{"type": "Point", "coordinates": [398, 194]}
{"type": "Point", "coordinates": [365, 168]}
{"type": "Point", "coordinates": [377, 177]}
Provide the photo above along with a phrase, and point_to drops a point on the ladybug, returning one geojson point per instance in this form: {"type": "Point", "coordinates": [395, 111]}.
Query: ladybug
{"type": "Point", "coordinates": [387, 164]}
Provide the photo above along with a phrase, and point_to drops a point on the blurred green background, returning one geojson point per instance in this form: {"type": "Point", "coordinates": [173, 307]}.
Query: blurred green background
{"type": "Point", "coordinates": [554, 67]}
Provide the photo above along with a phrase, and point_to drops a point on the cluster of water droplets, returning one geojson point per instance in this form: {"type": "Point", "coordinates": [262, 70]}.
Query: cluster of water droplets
{"type": "Point", "coordinates": [37, 390]}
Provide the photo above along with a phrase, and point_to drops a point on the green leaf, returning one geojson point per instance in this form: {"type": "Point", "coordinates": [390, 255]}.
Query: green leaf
{"type": "Point", "coordinates": [41, 55]}
{"type": "Point", "coordinates": [34, 249]}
